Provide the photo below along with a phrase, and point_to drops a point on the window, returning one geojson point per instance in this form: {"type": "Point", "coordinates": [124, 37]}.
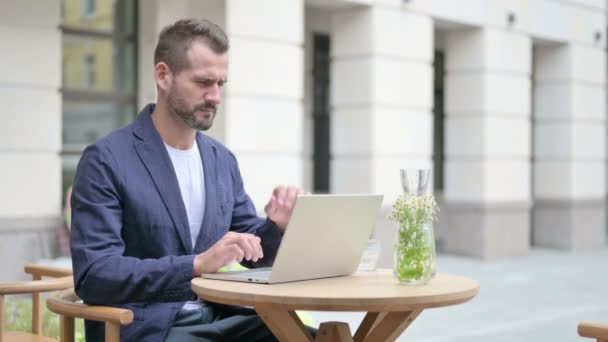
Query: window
{"type": "Point", "coordinates": [321, 116]}
{"type": "Point", "coordinates": [89, 70]}
{"type": "Point", "coordinates": [99, 73]}
{"type": "Point", "coordinates": [88, 8]}
{"type": "Point", "coordinates": [438, 121]}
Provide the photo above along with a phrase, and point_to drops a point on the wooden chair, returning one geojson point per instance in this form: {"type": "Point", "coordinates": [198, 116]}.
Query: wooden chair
{"type": "Point", "coordinates": [62, 280]}
{"type": "Point", "coordinates": [594, 330]}
{"type": "Point", "coordinates": [67, 304]}
{"type": "Point", "coordinates": [64, 303]}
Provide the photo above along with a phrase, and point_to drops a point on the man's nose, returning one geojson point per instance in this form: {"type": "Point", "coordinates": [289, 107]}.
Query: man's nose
{"type": "Point", "coordinates": [213, 94]}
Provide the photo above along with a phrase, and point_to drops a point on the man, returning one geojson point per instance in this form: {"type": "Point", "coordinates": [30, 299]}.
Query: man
{"type": "Point", "coordinates": [157, 203]}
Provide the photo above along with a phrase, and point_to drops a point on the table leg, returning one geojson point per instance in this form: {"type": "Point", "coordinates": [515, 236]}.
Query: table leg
{"type": "Point", "coordinates": [334, 331]}
{"type": "Point", "coordinates": [284, 324]}
{"type": "Point", "coordinates": [376, 326]}
{"type": "Point", "coordinates": [369, 321]}
{"type": "Point", "coordinates": [384, 326]}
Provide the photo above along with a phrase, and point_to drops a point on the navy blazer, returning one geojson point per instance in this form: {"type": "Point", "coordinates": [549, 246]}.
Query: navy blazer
{"type": "Point", "coordinates": [130, 241]}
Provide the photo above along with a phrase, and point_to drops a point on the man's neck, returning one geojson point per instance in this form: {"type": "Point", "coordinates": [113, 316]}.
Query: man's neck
{"type": "Point", "coordinates": [172, 129]}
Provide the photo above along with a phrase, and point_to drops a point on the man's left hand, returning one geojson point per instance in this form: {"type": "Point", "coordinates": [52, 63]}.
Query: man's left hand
{"type": "Point", "coordinates": [281, 204]}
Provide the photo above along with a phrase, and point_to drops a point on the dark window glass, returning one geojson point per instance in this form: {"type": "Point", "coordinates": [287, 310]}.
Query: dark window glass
{"type": "Point", "coordinates": [438, 120]}
{"type": "Point", "coordinates": [321, 145]}
{"type": "Point", "coordinates": [88, 8]}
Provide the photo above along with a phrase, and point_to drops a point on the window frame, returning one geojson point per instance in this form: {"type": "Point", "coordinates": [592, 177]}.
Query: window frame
{"type": "Point", "coordinates": [70, 152]}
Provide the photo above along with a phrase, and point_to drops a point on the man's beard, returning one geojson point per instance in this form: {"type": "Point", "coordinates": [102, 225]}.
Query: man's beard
{"type": "Point", "coordinates": [180, 108]}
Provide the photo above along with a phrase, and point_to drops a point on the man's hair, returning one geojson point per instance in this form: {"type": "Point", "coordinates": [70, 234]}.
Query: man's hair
{"type": "Point", "coordinates": [175, 40]}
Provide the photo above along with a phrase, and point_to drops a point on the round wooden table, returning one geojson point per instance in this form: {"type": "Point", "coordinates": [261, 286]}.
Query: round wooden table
{"type": "Point", "coordinates": [390, 307]}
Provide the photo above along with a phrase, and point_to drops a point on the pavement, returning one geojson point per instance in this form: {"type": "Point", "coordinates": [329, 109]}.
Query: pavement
{"type": "Point", "coordinates": [540, 297]}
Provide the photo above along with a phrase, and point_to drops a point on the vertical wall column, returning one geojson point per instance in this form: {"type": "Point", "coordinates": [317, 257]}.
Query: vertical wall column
{"type": "Point", "coordinates": [30, 133]}
{"type": "Point", "coordinates": [570, 147]}
{"type": "Point", "coordinates": [264, 109]}
{"type": "Point", "coordinates": [381, 96]}
{"type": "Point", "coordinates": [487, 185]}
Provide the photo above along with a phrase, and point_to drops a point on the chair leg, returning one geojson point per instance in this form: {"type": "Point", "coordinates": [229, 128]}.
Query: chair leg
{"type": "Point", "coordinates": [67, 328]}
{"type": "Point", "coordinates": [1, 317]}
{"type": "Point", "coordinates": [112, 332]}
{"type": "Point", "coordinates": [36, 310]}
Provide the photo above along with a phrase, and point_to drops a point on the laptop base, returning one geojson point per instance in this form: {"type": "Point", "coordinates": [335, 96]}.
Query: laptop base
{"type": "Point", "coordinates": [259, 275]}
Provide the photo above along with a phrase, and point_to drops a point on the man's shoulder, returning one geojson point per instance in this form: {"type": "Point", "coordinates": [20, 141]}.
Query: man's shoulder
{"type": "Point", "coordinates": [219, 147]}
{"type": "Point", "coordinates": [117, 138]}
{"type": "Point", "coordinates": [114, 143]}
{"type": "Point", "coordinates": [138, 129]}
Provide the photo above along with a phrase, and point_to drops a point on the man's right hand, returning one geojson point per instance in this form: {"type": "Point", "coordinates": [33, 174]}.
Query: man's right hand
{"type": "Point", "coordinates": [231, 247]}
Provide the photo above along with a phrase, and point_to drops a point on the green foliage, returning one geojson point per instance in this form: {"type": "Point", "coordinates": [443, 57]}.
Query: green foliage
{"type": "Point", "coordinates": [18, 317]}
{"type": "Point", "coordinates": [414, 245]}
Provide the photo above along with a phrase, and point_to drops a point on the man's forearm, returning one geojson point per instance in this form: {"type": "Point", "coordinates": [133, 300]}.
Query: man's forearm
{"type": "Point", "coordinates": [119, 279]}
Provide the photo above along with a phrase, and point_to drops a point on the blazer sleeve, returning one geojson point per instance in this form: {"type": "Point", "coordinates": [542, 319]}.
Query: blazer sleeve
{"type": "Point", "coordinates": [102, 274]}
{"type": "Point", "coordinates": [246, 220]}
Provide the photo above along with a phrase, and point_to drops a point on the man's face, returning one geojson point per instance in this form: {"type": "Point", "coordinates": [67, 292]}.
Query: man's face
{"type": "Point", "coordinates": [195, 92]}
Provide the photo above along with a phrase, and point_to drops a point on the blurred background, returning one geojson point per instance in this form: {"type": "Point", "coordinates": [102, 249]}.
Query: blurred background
{"type": "Point", "coordinates": [505, 101]}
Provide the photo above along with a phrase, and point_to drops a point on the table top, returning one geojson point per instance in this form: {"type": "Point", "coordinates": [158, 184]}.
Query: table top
{"type": "Point", "coordinates": [369, 291]}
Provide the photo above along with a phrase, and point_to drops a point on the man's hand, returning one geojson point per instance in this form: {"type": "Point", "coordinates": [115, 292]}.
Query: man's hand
{"type": "Point", "coordinates": [281, 204]}
{"type": "Point", "coordinates": [231, 247]}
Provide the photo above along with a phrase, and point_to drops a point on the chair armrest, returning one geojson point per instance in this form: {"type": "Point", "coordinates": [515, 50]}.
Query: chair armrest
{"type": "Point", "coordinates": [36, 286]}
{"type": "Point", "coordinates": [65, 304]}
{"type": "Point", "coordinates": [47, 271]}
{"type": "Point", "coordinates": [593, 330]}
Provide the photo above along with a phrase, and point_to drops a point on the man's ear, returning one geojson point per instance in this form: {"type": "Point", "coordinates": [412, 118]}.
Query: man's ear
{"type": "Point", "coordinates": [163, 76]}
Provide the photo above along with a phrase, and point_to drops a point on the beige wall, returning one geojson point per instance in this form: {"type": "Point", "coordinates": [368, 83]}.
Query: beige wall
{"type": "Point", "coordinates": [30, 133]}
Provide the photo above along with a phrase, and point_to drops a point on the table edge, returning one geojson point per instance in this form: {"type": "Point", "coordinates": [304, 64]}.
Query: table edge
{"type": "Point", "coordinates": [339, 304]}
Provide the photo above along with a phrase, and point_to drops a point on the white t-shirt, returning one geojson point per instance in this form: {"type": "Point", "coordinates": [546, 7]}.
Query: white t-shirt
{"type": "Point", "coordinates": [188, 167]}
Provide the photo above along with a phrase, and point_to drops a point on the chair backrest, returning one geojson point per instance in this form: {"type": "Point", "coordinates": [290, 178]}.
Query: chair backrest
{"type": "Point", "coordinates": [67, 304]}
{"type": "Point", "coordinates": [35, 287]}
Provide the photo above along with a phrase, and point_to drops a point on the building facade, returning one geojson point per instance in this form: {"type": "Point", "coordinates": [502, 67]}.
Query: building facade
{"type": "Point", "coordinates": [504, 100]}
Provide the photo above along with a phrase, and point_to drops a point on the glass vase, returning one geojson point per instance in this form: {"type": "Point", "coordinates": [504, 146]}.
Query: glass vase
{"type": "Point", "coordinates": [414, 250]}
{"type": "Point", "coordinates": [414, 257]}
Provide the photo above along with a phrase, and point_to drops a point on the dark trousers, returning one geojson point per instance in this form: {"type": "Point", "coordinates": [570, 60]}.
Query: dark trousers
{"type": "Point", "coordinates": [220, 323]}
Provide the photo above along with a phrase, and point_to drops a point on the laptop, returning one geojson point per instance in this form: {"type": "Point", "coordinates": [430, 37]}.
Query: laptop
{"type": "Point", "coordinates": [325, 237]}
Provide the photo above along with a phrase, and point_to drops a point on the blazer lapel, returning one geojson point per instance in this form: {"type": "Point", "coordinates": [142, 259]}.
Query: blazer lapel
{"type": "Point", "coordinates": [154, 155]}
{"type": "Point", "coordinates": [207, 235]}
